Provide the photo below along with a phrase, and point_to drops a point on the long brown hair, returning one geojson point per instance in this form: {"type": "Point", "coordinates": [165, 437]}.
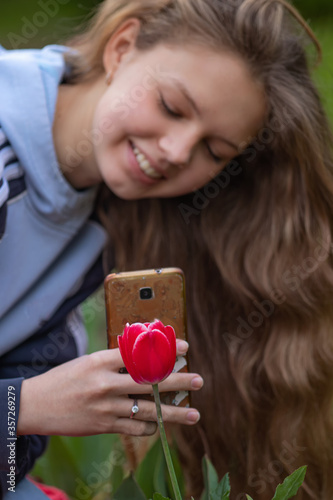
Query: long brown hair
{"type": "Point", "coordinates": [255, 245]}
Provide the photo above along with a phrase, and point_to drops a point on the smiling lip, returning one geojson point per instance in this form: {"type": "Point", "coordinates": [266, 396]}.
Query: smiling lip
{"type": "Point", "coordinates": [136, 169]}
{"type": "Point", "coordinates": [152, 164]}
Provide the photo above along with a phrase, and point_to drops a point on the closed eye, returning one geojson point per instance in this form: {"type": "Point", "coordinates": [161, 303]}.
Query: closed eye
{"type": "Point", "coordinates": [167, 110]}
{"type": "Point", "coordinates": [216, 158]}
{"type": "Point", "coordinates": [173, 114]}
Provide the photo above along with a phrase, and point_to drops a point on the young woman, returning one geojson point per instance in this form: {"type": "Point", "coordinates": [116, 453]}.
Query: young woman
{"type": "Point", "coordinates": [192, 130]}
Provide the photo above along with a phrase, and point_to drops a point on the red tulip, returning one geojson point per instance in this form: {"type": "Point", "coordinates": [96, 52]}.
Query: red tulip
{"type": "Point", "coordinates": [148, 351]}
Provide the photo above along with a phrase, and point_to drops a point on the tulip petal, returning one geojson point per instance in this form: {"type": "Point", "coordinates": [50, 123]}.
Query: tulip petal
{"type": "Point", "coordinates": [153, 357]}
{"type": "Point", "coordinates": [156, 325]}
{"type": "Point", "coordinates": [122, 343]}
{"type": "Point", "coordinates": [125, 343]}
{"type": "Point", "coordinates": [128, 361]}
{"type": "Point", "coordinates": [130, 335]}
{"type": "Point", "coordinates": [169, 332]}
{"type": "Point", "coordinates": [122, 348]}
{"type": "Point", "coordinates": [135, 330]}
{"type": "Point", "coordinates": [171, 336]}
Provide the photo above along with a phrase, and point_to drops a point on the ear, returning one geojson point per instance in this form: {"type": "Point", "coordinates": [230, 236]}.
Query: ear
{"type": "Point", "coordinates": [120, 44]}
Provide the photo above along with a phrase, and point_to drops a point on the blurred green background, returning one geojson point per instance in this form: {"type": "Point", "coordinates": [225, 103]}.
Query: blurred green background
{"type": "Point", "coordinates": [86, 467]}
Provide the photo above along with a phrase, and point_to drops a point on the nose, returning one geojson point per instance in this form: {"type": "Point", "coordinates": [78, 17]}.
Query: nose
{"type": "Point", "coordinates": [178, 148]}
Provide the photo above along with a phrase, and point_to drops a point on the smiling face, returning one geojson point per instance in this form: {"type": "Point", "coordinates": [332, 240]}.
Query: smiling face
{"type": "Point", "coordinates": [172, 118]}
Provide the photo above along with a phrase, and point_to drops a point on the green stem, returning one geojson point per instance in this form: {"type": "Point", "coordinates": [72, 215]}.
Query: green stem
{"type": "Point", "coordinates": [165, 444]}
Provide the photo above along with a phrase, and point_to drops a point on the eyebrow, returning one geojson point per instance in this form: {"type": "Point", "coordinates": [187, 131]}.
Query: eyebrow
{"type": "Point", "coordinates": [197, 110]}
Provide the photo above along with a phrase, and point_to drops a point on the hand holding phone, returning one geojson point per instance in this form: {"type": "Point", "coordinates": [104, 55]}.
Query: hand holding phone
{"type": "Point", "coordinates": [143, 296]}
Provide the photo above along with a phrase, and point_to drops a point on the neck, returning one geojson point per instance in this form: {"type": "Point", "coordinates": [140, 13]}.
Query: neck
{"type": "Point", "coordinates": [72, 132]}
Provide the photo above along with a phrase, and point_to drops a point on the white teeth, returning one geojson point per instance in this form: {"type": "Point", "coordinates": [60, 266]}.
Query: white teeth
{"type": "Point", "coordinates": [145, 165]}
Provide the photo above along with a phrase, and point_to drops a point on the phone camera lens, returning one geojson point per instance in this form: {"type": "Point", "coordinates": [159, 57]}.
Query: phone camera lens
{"type": "Point", "coordinates": [146, 293]}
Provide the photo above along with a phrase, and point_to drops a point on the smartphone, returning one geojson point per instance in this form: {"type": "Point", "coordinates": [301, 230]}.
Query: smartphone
{"type": "Point", "coordinates": [143, 296]}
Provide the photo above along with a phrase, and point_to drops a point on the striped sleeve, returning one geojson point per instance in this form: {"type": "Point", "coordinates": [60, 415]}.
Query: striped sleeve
{"type": "Point", "coordinates": [4, 188]}
{"type": "Point", "coordinates": [12, 182]}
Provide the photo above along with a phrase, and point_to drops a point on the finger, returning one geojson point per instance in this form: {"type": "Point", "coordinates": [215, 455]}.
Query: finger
{"type": "Point", "coordinates": [109, 357]}
{"type": "Point", "coordinates": [182, 347]}
{"type": "Point", "coordinates": [118, 360]}
{"type": "Point", "coordinates": [175, 382]}
{"type": "Point", "coordinates": [133, 427]}
{"type": "Point", "coordinates": [147, 412]}
{"type": "Point", "coordinates": [181, 382]}
{"type": "Point", "coordinates": [114, 356]}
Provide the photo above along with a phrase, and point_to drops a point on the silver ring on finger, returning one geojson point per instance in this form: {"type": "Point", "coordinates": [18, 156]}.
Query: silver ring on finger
{"type": "Point", "coordinates": [135, 409]}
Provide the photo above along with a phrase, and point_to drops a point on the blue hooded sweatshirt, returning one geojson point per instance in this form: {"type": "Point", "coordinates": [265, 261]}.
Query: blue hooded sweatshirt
{"type": "Point", "coordinates": [50, 249]}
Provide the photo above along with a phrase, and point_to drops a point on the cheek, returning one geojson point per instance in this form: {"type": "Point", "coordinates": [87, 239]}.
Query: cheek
{"type": "Point", "coordinates": [205, 172]}
{"type": "Point", "coordinates": [191, 180]}
{"type": "Point", "coordinates": [111, 112]}
{"type": "Point", "coordinates": [205, 176]}
{"type": "Point", "coordinates": [102, 120]}
{"type": "Point", "coordinates": [121, 119]}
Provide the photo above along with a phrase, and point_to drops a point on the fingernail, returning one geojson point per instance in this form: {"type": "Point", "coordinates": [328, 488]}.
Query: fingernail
{"type": "Point", "coordinates": [182, 346]}
{"type": "Point", "coordinates": [193, 416]}
{"type": "Point", "coordinates": [197, 383]}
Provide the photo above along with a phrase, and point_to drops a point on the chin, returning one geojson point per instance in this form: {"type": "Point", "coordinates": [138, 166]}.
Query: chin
{"type": "Point", "coordinates": [125, 194]}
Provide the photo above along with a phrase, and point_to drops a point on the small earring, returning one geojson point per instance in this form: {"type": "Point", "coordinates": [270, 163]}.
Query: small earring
{"type": "Point", "coordinates": [108, 78]}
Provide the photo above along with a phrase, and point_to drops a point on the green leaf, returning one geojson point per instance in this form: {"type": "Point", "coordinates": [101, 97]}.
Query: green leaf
{"type": "Point", "coordinates": [129, 489]}
{"type": "Point", "coordinates": [211, 479]}
{"type": "Point", "coordinates": [102, 495]}
{"type": "Point", "coordinates": [71, 463]}
{"type": "Point", "coordinates": [117, 477]}
{"type": "Point", "coordinates": [213, 489]}
{"type": "Point", "coordinates": [152, 474]}
{"type": "Point", "coordinates": [158, 496]}
{"type": "Point", "coordinates": [222, 491]}
{"type": "Point", "coordinates": [98, 454]}
{"type": "Point", "coordinates": [58, 468]}
{"type": "Point", "coordinates": [160, 475]}
{"type": "Point", "coordinates": [248, 497]}
{"type": "Point", "coordinates": [290, 485]}
{"type": "Point", "coordinates": [178, 471]}
{"type": "Point", "coordinates": [145, 473]}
